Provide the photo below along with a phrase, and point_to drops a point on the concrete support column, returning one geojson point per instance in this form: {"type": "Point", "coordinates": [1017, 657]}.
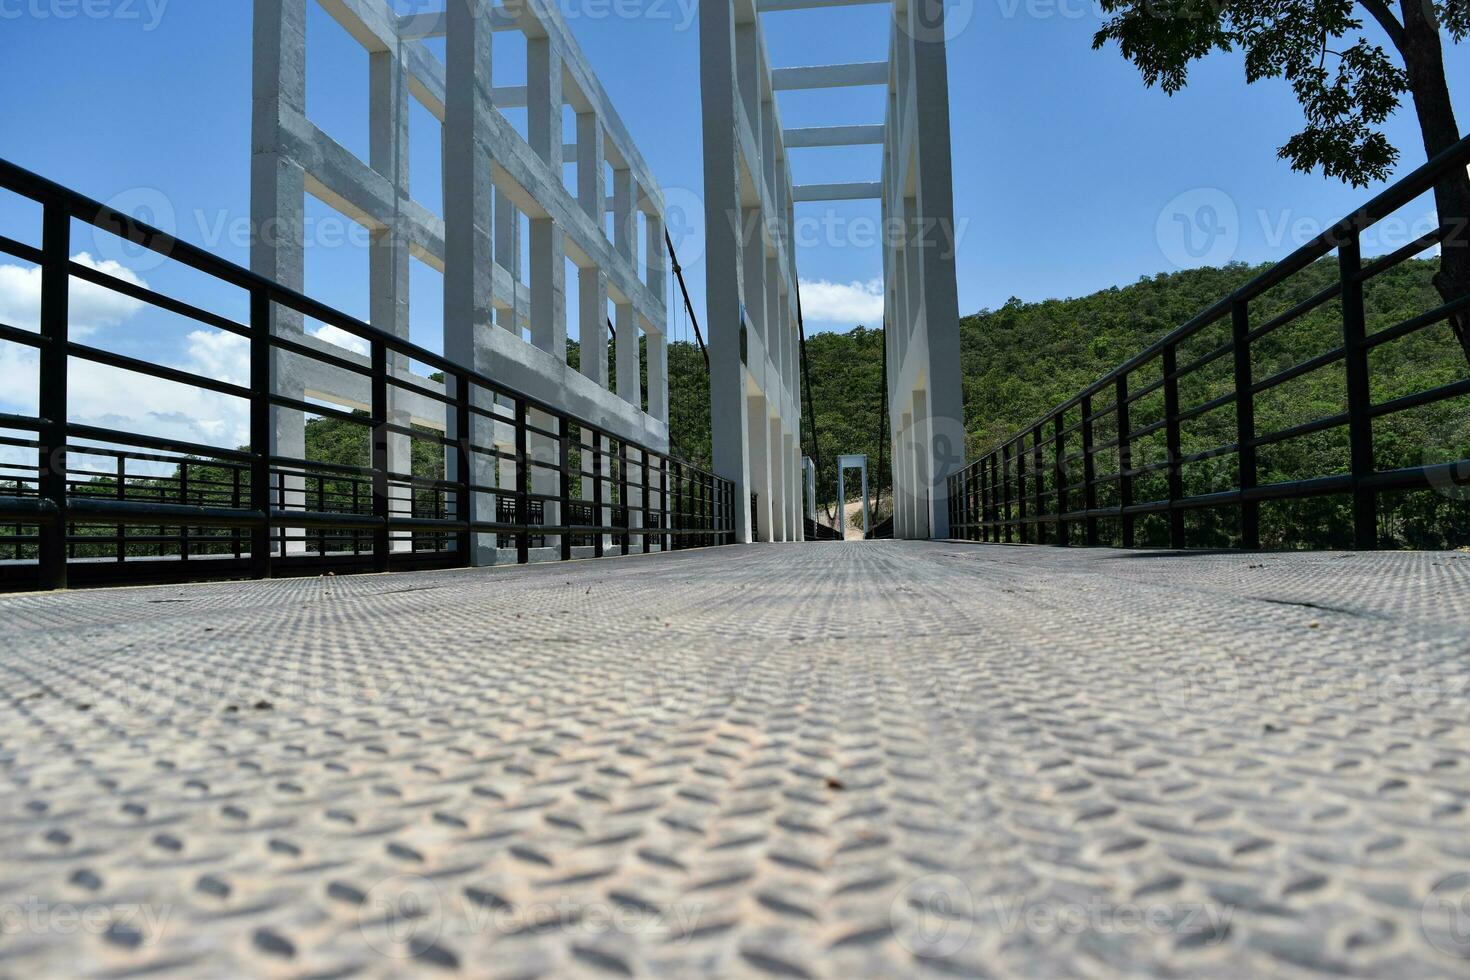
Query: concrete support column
{"type": "Point", "coordinates": [278, 208]}
{"type": "Point", "coordinates": [753, 254]}
{"type": "Point", "coordinates": [923, 492]}
{"type": "Point", "coordinates": [630, 368]}
{"type": "Point", "coordinates": [592, 290]}
{"type": "Point", "coordinates": [758, 425]}
{"type": "Point", "coordinates": [469, 167]}
{"type": "Point", "coordinates": [549, 288]}
{"type": "Point", "coordinates": [795, 529]}
{"type": "Point", "coordinates": [625, 214]}
{"type": "Point", "coordinates": [777, 447]}
{"type": "Point", "coordinates": [543, 99]}
{"type": "Point", "coordinates": [658, 375]}
{"type": "Point", "coordinates": [657, 253]}
{"type": "Point", "coordinates": [389, 257]}
{"type": "Point", "coordinates": [591, 168]}
{"type": "Point", "coordinates": [731, 430]}
{"type": "Point", "coordinates": [508, 257]}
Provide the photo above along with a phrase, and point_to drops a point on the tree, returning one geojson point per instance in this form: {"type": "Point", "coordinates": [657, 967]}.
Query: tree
{"type": "Point", "coordinates": [1347, 85]}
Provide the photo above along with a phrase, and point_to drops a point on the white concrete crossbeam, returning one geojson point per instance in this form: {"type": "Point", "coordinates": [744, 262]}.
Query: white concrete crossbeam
{"type": "Point", "coordinates": [834, 136]}
{"type": "Point", "coordinates": [838, 192]}
{"type": "Point", "coordinates": [830, 76]}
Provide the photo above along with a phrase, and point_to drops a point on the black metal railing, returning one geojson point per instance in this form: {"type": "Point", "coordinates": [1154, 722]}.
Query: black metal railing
{"type": "Point", "coordinates": [1142, 440]}
{"type": "Point", "coordinates": [164, 508]}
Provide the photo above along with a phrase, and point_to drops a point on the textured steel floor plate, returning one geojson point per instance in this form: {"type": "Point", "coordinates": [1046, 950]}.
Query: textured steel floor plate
{"type": "Point", "coordinates": [841, 760]}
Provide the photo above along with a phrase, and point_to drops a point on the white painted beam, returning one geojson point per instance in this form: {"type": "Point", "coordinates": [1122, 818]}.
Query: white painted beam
{"type": "Point", "coordinates": [775, 6]}
{"type": "Point", "coordinates": [834, 136]}
{"type": "Point", "coordinates": [418, 27]}
{"type": "Point", "coordinates": [830, 76]}
{"type": "Point", "coordinates": [838, 192]}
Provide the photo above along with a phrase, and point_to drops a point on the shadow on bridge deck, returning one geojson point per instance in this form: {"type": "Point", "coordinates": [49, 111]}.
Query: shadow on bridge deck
{"type": "Point", "coordinates": [853, 759]}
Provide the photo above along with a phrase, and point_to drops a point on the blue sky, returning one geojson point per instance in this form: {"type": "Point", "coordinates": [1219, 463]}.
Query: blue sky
{"type": "Point", "coordinates": [1070, 176]}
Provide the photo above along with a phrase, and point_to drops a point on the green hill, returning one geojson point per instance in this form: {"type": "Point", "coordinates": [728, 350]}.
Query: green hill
{"type": "Point", "coordinates": [1023, 359]}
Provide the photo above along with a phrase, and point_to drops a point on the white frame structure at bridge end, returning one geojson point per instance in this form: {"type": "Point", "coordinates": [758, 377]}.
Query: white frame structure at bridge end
{"type": "Point", "coordinates": [750, 204]}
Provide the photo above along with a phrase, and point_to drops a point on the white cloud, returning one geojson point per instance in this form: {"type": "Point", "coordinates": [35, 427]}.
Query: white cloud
{"type": "Point", "coordinates": [92, 307]}
{"type": "Point", "coordinates": [341, 338]}
{"type": "Point", "coordinates": [123, 400]}
{"type": "Point", "coordinates": [835, 302]}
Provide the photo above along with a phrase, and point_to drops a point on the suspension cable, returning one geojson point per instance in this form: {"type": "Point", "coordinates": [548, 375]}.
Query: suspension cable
{"type": "Point", "coordinates": [688, 306]}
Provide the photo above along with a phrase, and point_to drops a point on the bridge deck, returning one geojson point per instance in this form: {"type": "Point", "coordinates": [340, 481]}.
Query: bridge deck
{"type": "Point", "coordinates": [833, 760]}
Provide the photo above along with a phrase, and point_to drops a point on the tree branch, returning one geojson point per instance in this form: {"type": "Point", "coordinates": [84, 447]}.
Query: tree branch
{"type": "Point", "coordinates": [1387, 21]}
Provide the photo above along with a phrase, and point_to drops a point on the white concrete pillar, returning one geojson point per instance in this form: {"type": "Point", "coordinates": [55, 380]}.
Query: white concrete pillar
{"type": "Point", "coordinates": [657, 254]}
{"type": "Point", "coordinates": [630, 368]}
{"type": "Point", "coordinates": [658, 375]}
{"type": "Point", "coordinates": [592, 290]}
{"type": "Point", "coordinates": [278, 210]}
{"type": "Point", "coordinates": [777, 445]}
{"type": "Point", "coordinates": [508, 257]}
{"type": "Point", "coordinates": [543, 100]}
{"type": "Point", "coordinates": [625, 214]}
{"type": "Point", "coordinates": [549, 288]}
{"type": "Point", "coordinates": [591, 168]}
{"type": "Point", "coordinates": [760, 467]}
{"type": "Point", "coordinates": [732, 433]}
{"type": "Point", "coordinates": [469, 169]}
{"type": "Point", "coordinates": [388, 256]}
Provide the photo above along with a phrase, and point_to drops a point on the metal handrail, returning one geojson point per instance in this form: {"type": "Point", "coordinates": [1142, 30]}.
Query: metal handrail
{"type": "Point", "coordinates": [990, 498]}
{"type": "Point", "coordinates": [700, 502]}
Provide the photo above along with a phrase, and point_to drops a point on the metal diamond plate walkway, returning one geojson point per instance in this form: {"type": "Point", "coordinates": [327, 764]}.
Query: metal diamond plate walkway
{"type": "Point", "coordinates": [841, 760]}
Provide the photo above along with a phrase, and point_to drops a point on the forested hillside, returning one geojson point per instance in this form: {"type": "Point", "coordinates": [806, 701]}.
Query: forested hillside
{"type": "Point", "coordinates": [1022, 359]}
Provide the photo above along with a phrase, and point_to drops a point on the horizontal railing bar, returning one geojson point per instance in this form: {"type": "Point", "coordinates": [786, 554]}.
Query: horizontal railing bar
{"type": "Point", "coordinates": [1413, 324]}
{"type": "Point", "coordinates": [153, 298]}
{"type": "Point", "coordinates": [1301, 309]}
{"type": "Point", "coordinates": [21, 250]}
{"type": "Point", "coordinates": [1403, 252]}
{"type": "Point", "coordinates": [1297, 370]}
{"type": "Point", "coordinates": [316, 355]}
{"type": "Point", "coordinates": [1416, 183]}
{"type": "Point", "coordinates": [1429, 396]}
{"type": "Point", "coordinates": [159, 371]}
{"type": "Point", "coordinates": [148, 442]}
{"type": "Point", "coordinates": [27, 338]}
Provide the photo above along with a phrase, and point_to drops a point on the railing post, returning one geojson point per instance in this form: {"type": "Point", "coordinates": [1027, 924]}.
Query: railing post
{"type": "Point", "coordinates": [564, 487]}
{"type": "Point", "coordinates": [1125, 458]}
{"type": "Point", "coordinates": [1359, 395]}
{"type": "Point", "coordinates": [597, 490]}
{"type": "Point", "coordinates": [1089, 474]}
{"type": "Point", "coordinates": [1020, 456]}
{"type": "Point", "coordinates": [666, 540]}
{"type": "Point", "coordinates": [523, 480]}
{"type": "Point", "coordinates": [381, 509]}
{"type": "Point", "coordinates": [55, 316]}
{"type": "Point", "coordinates": [260, 431]}
{"type": "Point", "coordinates": [1058, 425]}
{"type": "Point", "coordinates": [464, 540]}
{"type": "Point", "coordinates": [1245, 426]}
{"type": "Point", "coordinates": [1005, 476]}
{"type": "Point", "coordinates": [1038, 481]}
{"type": "Point", "coordinates": [1173, 445]}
